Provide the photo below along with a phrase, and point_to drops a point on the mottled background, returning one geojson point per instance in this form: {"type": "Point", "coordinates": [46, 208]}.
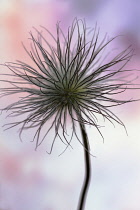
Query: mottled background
{"type": "Point", "coordinates": [35, 180]}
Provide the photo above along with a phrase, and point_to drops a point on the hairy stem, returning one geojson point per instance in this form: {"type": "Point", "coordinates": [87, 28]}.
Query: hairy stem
{"type": "Point", "coordinates": [87, 169]}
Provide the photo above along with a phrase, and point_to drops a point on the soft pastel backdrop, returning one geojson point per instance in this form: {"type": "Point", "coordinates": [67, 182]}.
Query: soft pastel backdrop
{"type": "Point", "coordinates": [35, 180]}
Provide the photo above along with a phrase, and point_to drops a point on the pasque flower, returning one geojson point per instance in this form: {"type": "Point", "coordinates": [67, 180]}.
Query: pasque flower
{"type": "Point", "coordinates": [70, 81]}
{"type": "Point", "coordinates": [67, 80]}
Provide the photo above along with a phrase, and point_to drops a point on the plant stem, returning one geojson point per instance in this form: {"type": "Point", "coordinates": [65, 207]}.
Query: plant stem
{"type": "Point", "coordinates": [87, 169]}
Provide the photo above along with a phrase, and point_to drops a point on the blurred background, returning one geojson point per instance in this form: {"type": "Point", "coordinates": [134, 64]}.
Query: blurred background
{"type": "Point", "coordinates": [35, 180]}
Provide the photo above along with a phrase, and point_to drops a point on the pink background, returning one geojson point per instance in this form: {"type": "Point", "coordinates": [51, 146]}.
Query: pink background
{"type": "Point", "coordinates": [35, 180]}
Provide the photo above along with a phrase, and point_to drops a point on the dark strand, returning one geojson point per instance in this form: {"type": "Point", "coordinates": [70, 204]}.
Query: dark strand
{"type": "Point", "coordinates": [87, 162]}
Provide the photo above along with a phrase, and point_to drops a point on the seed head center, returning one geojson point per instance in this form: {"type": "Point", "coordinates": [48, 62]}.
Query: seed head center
{"type": "Point", "coordinates": [67, 96]}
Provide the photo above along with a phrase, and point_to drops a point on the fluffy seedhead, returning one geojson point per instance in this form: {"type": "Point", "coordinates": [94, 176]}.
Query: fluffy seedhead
{"type": "Point", "coordinates": [69, 82]}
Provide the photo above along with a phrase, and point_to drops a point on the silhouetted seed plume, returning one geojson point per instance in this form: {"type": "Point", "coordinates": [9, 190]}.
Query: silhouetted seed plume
{"type": "Point", "coordinates": [69, 79]}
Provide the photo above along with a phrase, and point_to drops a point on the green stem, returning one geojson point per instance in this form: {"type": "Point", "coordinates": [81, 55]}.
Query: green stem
{"type": "Point", "coordinates": [87, 169]}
